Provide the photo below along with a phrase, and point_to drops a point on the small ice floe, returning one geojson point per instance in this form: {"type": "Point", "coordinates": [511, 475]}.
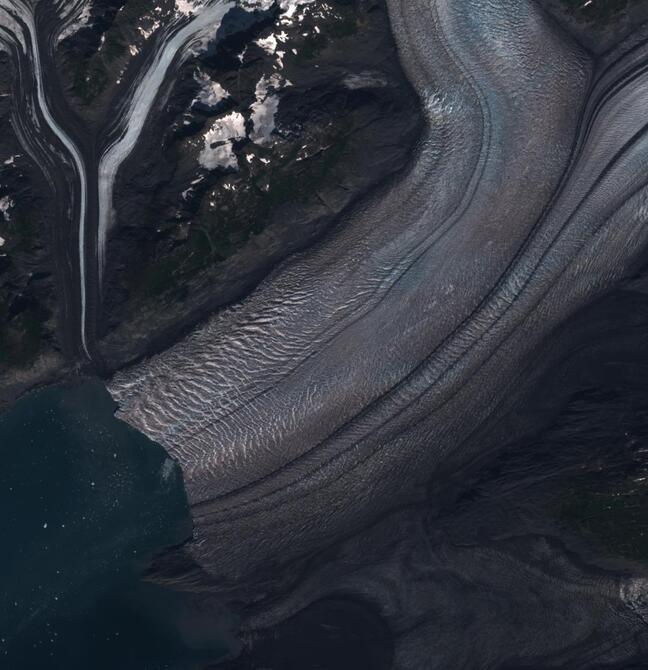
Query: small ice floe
{"type": "Point", "coordinates": [265, 107]}
{"type": "Point", "coordinates": [2, 241]}
{"type": "Point", "coordinates": [167, 469]}
{"type": "Point", "coordinates": [364, 80]}
{"type": "Point", "coordinates": [211, 92]}
{"type": "Point", "coordinates": [10, 160]}
{"type": "Point", "coordinates": [218, 150]}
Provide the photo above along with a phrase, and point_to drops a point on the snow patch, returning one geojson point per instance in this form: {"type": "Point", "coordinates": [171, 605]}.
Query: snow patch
{"type": "Point", "coordinates": [263, 118]}
{"type": "Point", "coordinates": [147, 32]}
{"type": "Point", "coordinates": [256, 4]}
{"type": "Point", "coordinates": [265, 108]}
{"type": "Point", "coordinates": [289, 7]}
{"type": "Point", "coordinates": [268, 44]}
{"type": "Point", "coordinates": [6, 203]}
{"type": "Point", "coordinates": [211, 92]}
{"type": "Point", "coordinates": [187, 7]}
{"type": "Point", "coordinates": [218, 150]}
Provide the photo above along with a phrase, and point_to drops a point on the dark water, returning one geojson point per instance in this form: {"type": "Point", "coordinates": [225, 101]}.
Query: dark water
{"type": "Point", "coordinates": [85, 502]}
{"type": "Point", "coordinates": [337, 633]}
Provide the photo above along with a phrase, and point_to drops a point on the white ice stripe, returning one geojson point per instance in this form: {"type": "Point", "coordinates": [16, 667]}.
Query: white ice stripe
{"type": "Point", "coordinates": [67, 8]}
{"type": "Point", "coordinates": [11, 10]}
{"type": "Point", "coordinates": [138, 110]}
{"type": "Point", "coordinates": [77, 17]}
{"type": "Point", "coordinates": [10, 28]}
{"type": "Point", "coordinates": [79, 165]}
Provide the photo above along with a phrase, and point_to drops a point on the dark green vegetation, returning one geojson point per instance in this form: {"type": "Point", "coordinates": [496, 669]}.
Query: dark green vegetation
{"type": "Point", "coordinates": [26, 301]}
{"type": "Point", "coordinates": [600, 456]}
{"type": "Point", "coordinates": [86, 502]}
{"type": "Point", "coordinates": [246, 202]}
{"type": "Point", "coordinates": [610, 506]}
{"type": "Point", "coordinates": [601, 452]}
{"type": "Point", "coordinates": [607, 498]}
{"type": "Point", "coordinates": [24, 290]}
{"type": "Point", "coordinates": [188, 240]}
{"type": "Point", "coordinates": [587, 473]}
{"type": "Point", "coordinates": [21, 335]}
{"type": "Point", "coordinates": [600, 461]}
{"type": "Point", "coordinates": [95, 57]}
